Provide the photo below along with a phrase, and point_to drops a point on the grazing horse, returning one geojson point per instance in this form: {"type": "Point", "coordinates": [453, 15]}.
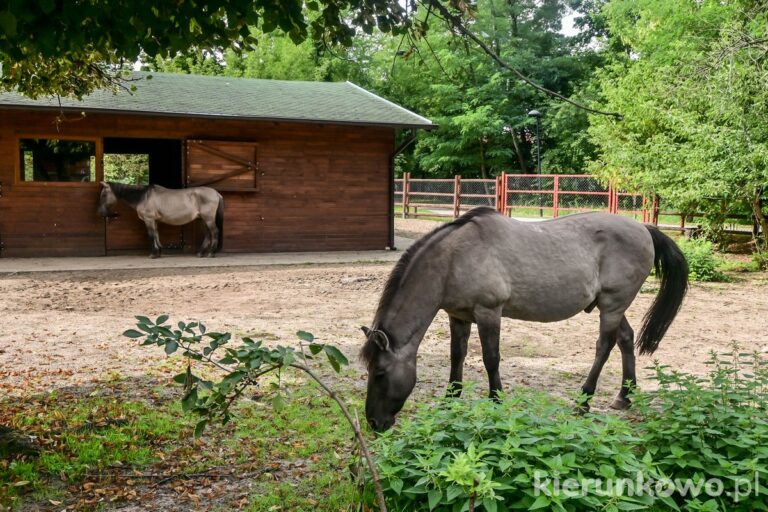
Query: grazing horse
{"type": "Point", "coordinates": [484, 266]}
{"type": "Point", "coordinates": [176, 207]}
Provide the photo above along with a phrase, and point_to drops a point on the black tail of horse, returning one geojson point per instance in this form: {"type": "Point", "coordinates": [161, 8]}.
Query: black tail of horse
{"type": "Point", "coordinates": [672, 270]}
{"type": "Point", "coordinates": [220, 222]}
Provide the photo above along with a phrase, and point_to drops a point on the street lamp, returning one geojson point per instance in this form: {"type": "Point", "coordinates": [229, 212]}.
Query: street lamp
{"type": "Point", "coordinates": [537, 115]}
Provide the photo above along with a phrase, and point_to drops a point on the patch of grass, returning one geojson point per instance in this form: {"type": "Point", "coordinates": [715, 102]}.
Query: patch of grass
{"type": "Point", "coordinates": [99, 441]}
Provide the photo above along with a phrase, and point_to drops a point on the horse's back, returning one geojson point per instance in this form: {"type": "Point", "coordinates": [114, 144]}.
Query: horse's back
{"type": "Point", "coordinates": [548, 270]}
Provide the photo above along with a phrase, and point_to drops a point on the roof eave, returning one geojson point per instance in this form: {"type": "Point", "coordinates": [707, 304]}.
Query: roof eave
{"type": "Point", "coordinates": [45, 108]}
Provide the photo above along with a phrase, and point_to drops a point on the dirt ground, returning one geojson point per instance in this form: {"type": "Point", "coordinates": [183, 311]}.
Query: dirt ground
{"type": "Point", "coordinates": [64, 328]}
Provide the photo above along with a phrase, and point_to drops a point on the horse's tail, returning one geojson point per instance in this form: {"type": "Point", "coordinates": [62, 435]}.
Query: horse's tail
{"type": "Point", "coordinates": [672, 270]}
{"type": "Point", "coordinates": [220, 222]}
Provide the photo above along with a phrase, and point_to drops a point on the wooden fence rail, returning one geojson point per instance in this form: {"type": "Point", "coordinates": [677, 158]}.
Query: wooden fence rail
{"type": "Point", "coordinates": [532, 195]}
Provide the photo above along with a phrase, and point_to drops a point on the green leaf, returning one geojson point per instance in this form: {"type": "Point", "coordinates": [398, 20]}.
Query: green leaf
{"type": "Point", "coordinates": [189, 400]}
{"type": "Point", "coordinates": [133, 333]}
{"type": "Point", "coordinates": [335, 357]}
{"type": "Point", "coordinates": [626, 505]}
{"type": "Point", "coordinates": [277, 403]}
{"type": "Point", "coordinates": [8, 23]}
{"type": "Point", "coordinates": [47, 6]}
{"type": "Point", "coordinates": [315, 348]}
{"type": "Point", "coordinates": [200, 427]}
{"type": "Point", "coordinates": [306, 336]}
{"type": "Point", "coordinates": [171, 347]}
{"type": "Point", "coordinates": [396, 485]}
{"type": "Point", "coordinates": [433, 498]}
{"type": "Point", "coordinates": [541, 502]}
{"type": "Point", "coordinates": [490, 504]}
{"type": "Point", "coordinates": [161, 319]}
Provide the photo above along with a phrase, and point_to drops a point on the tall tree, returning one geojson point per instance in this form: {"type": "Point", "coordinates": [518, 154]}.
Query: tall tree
{"type": "Point", "coordinates": [481, 107]}
{"type": "Point", "coordinates": [62, 47]}
{"type": "Point", "coordinates": [694, 89]}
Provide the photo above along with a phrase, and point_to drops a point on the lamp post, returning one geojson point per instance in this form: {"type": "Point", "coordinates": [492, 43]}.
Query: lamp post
{"type": "Point", "coordinates": [537, 115]}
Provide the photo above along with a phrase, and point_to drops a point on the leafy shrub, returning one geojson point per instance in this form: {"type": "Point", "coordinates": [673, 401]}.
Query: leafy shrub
{"type": "Point", "coordinates": [699, 429]}
{"type": "Point", "coordinates": [702, 262]}
{"type": "Point", "coordinates": [458, 455]}
{"type": "Point", "coordinates": [462, 451]}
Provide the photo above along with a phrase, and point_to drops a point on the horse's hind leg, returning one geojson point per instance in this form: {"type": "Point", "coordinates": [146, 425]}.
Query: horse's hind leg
{"type": "Point", "coordinates": [459, 336]}
{"type": "Point", "coordinates": [211, 242]}
{"type": "Point", "coordinates": [626, 341]}
{"type": "Point", "coordinates": [489, 327]}
{"type": "Point", "coordinates": [154, 238]}
{"type": "Point", "coordinates": [609, 329]}
{"type": "Point", "coordinates": [202, 251]}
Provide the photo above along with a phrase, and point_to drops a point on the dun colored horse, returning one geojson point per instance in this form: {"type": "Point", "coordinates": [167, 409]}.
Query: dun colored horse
{"type": "Point", "coordinates": [484, 266]}
{"type": "Point", "coordinates": [176, 207]}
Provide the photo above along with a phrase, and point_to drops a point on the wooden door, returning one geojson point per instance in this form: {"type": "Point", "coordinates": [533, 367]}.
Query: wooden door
{"type": "Point", "coordinates": [230, 167]}
{"type": "Point", "coordinates": [227, 166]}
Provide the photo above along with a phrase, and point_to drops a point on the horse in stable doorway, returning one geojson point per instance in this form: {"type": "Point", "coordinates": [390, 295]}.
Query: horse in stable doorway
{"type": "Point", "coordinates": [176, 207]}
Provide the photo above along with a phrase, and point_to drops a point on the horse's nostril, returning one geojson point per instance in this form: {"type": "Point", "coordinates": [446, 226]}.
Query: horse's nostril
{"type": "Point", "coordinates": [373, 423]}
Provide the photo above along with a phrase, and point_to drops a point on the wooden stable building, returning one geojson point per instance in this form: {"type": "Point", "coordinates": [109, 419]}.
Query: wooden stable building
{"type": "Point", "coordinates": [302, 166]}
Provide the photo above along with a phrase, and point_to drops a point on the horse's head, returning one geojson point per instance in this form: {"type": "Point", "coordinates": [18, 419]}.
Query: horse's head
{"type": "Point", "coordinates": [391, 378]}
{"type": "Point", "coordinates": [107, 199]}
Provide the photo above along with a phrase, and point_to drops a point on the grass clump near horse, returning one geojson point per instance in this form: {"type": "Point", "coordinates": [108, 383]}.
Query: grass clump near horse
{"type": "Point", "coordinates": [693, 444]}
{"type": "Point", "coordinates": [485, 266]}
{"type": "Point", "coordinates": [176, 207]}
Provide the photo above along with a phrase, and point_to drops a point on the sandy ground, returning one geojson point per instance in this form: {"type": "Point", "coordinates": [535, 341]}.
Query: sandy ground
{"type": "Point", "coordinates": [64, 328]}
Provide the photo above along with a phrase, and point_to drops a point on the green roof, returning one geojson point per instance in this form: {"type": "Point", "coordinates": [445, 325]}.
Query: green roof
{"type": "Point", "coordinates": [238, 98]}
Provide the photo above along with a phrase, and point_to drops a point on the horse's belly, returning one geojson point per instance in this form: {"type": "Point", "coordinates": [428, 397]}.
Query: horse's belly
{"type": "Point", "coordinates": [549, 307]}
{"type": "Point", "coordinates": [176, 218]}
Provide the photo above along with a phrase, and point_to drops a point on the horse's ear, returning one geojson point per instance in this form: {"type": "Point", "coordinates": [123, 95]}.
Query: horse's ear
{"type": "Point", "coordinates": [366, 330]}
{"type": "Point", "coordinates": [382, 340]}
{"type": "Point", "coordinates": [103, 183]}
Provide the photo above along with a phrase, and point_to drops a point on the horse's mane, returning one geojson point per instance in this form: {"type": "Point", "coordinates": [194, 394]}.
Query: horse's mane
{"type": "Point", "coordinates": [131, 194]}
{"type": "Point", "coordinates": [401, 268]}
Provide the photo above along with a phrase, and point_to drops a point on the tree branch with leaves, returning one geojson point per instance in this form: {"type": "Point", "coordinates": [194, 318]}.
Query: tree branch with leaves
{"type": "Point", "coordinates": [242, 366]}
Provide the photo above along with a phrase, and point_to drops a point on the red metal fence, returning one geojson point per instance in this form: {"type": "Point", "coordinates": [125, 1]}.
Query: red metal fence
{"type": "Point", "coordinates": [524, 195]}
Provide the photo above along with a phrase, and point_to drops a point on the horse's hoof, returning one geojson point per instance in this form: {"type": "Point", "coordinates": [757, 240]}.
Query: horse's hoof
{"type": "Point", "coordinates": [153, 256]}
{"type": "Point", "coordinates": [621, 404]}
{"type": "Point", "coordinates": [582, 409]}
{"type": "Point", "coordinates": [200, 255]}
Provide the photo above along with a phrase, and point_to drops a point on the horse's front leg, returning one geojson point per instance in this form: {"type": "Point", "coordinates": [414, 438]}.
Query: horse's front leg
{"type": "Point", "coordinates": [459, 336]}
{"type": "Point", "coordinates": [154, 238]}
{"type": "Point", "coordinates": [489, 327]}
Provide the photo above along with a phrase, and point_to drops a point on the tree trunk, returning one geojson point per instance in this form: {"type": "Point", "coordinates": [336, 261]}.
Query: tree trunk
{"type": "Point", "coordinates": [518, 152]}
{"type": "Point", "coordinates": [757, 211]}
{"type": "Point", "coordinates": [483, 173]}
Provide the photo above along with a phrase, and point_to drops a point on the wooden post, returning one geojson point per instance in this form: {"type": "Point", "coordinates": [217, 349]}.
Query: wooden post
{"type": "Point", "coordinates": [556, 196]}
{"type": "Point", "coordinates": [504, 192]}
{"type": "Point", "coordinates": [456, 196]}
{"type": "Point", "coordinates": [610, 197]}
{"type": "Point", "coordinates": [406, 190]}
{"type": "Point", "coordinates": [644, 210]}
{"type": "Point", "coordinates": [655, 218]}
{"type": "Point", "coordinates": [499, 193]}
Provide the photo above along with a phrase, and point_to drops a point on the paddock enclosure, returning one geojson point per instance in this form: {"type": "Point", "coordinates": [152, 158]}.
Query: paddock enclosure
{"type": "Point", "coordinates": [302, 166]}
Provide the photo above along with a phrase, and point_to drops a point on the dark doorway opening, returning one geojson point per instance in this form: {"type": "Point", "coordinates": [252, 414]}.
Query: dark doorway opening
{"type": "Point", "coordinates": [161, 158]}
{"type": "Point", "coordinates": [143, 162]}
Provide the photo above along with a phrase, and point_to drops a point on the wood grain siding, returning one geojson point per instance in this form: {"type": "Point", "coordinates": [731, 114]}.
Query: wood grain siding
{"type": "Point", "coordinates": [320, 187]}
